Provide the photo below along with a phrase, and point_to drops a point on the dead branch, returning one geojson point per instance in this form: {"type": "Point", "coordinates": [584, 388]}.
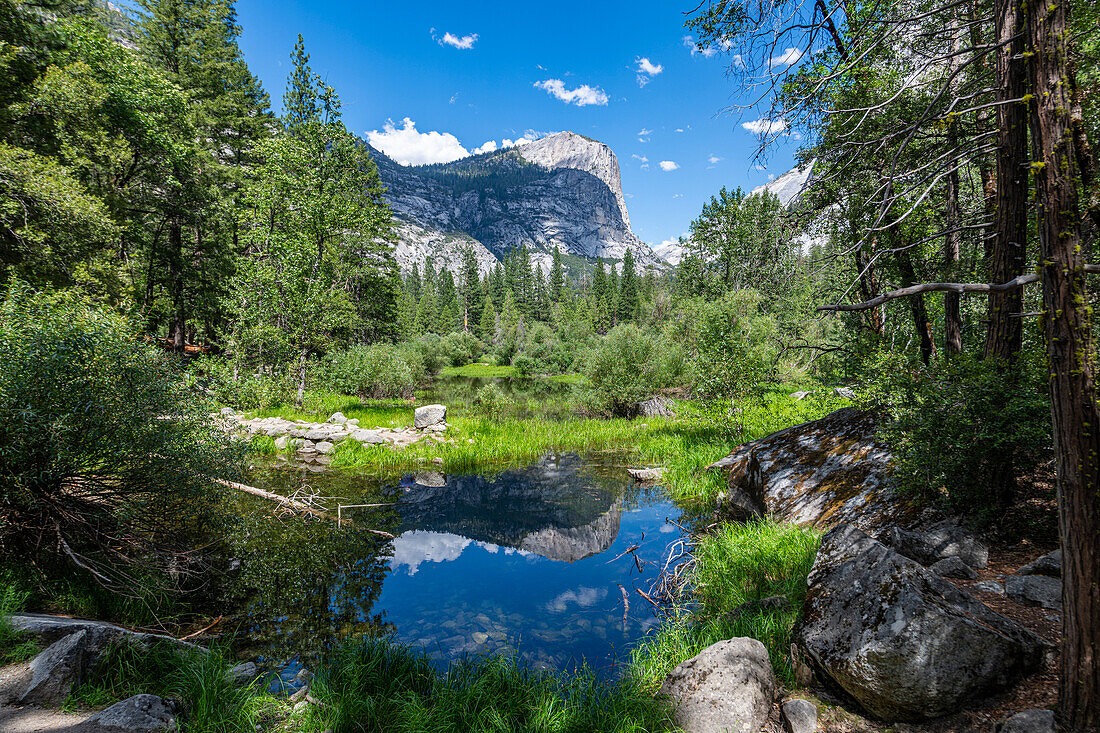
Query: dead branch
{"type": "Point", "coordinates": [943, 288]}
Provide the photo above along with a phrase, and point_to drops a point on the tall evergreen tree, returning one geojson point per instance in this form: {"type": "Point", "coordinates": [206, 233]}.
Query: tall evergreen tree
{"type": "Point", "coordinates": [629, 302]}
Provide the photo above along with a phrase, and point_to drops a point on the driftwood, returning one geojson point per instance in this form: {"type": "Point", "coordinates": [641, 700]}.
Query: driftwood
{"type": "Point", "coordinates": [293, 504]}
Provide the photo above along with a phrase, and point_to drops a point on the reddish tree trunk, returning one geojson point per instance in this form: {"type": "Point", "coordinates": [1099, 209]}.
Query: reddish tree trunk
{"type": "Point", "coordinates": [1008, 254]}
{"type": "Point", "coordinates": [1069, 353]}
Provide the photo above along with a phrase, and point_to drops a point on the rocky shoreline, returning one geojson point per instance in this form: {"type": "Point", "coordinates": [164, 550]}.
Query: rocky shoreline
{"type": "Point", "coordinates": [315, 442]}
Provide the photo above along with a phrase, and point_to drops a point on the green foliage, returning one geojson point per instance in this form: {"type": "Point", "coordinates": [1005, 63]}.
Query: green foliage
{"type": "Point", "coordinates": [141, 449]}
{"type": "Point", "coordinates": [198, 679]}
{"type": "Point", "coordinates": [377, 685]}
{"type": "Point", "coordinates": [14, 646]}
{"type": "Point", "coordinates": [628, 366]}
{"type": "Point", "coordinates": [737, 565]}
{"type": "Point", "coordinates": [490, 402]}
{"type": "Point", "coordinates": [731, 343]}
{"type": "Point", "coordinates": [377, 372]}
{"type": "Point", "coordinates": [962, 429]}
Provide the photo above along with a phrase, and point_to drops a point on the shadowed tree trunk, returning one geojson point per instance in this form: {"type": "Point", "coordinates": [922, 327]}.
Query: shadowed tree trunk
{"type": "Point", "coordinates": [1066, 316]}
{"type": "Point", "coordinates": [1008, 250]}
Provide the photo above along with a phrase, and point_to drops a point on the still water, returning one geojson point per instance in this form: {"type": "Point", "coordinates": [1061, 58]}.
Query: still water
{"type": "Point", "coordinates": [525, 561]}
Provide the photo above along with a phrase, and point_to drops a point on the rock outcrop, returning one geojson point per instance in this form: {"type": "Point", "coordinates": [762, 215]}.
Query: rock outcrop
{"type": "Point", "coordinates": [562, 190]}
{"type": "Point", "coordinates": [937, 544]}
{"type": "Point", "coordinates": [729, 686]}
{"type": "Point", "coordinates": [905, 643]}
{"type": "Point", "coordinates": [137, 714]}
{"type": "Point", "coordinates": [821, 473]}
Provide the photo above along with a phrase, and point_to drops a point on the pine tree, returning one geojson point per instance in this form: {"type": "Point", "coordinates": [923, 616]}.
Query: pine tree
{"type": "Point", "coordinates": [557, 278]}
{"type": "Point", "coordinates": [487, 326]}
{"type": "Point", "coordinates": [629, 304]}
{"type": "Point", "coordinates": [471, 285]}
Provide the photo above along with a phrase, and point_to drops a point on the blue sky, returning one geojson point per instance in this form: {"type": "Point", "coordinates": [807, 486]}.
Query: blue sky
{"type": "Point", "coordinates": [475, 72]}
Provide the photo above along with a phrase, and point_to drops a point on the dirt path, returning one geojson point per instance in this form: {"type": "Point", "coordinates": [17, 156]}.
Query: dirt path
{"type": "Point", "coordinates": [35, 720]}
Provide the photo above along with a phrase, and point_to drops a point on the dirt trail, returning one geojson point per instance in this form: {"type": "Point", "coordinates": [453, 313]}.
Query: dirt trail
{"type": "Point", "coordinates": [36, 720]}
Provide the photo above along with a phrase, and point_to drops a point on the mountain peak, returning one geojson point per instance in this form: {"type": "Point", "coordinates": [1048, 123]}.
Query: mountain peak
{"type": "Point", "coordinates": [571, 150]}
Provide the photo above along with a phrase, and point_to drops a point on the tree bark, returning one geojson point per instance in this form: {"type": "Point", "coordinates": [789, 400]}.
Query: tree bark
{"type": "Point", "coordinates": [916, 305]}
{"type": "Point", "coordinates": [175, 284]}
{"type": "Point", "coordinates": [1008, 255]}
{"type": "Point", "coordinates": [1067, 330]}
{"type": "Point", "coordinates": [952, 310]}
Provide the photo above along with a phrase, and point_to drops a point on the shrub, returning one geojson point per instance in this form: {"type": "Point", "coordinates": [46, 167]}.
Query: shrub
{"type": "Point", "coordinates": [425, 355]}
{"type": "Point", "coordinates": [525, 364]}
{"type": "Point", "coordinates": [730, 340]}
{"type": "Point", "coordinates": [628, 366]}
{"type": "Point", "coordinates": [377, 371]}
{"type": "Point", "coordinates": [105, 457]}
{"type": "Point", "coordinates": [459, 349]}
{"type": "Point", "coordinates": [962, 429]}
{"type": "Point", "coordinates": [257, 391]}
{"type": "Point", "coordinates": [489, 401]}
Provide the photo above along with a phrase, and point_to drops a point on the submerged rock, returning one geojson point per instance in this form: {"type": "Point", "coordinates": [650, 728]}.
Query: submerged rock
{"type": "Point", "coordinates": [905, 643]}
{"type": "Point", "coordinates": [646, 474]}
{"type": "Point", "coordinates": [729, 686]}
{"type": "Point", "coordinates": [822, 473]}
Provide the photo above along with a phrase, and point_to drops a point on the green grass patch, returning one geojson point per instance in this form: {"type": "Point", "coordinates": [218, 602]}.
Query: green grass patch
{"type": "Point", "coordinates": [15, 647]}
{"type": "Point", "coordinates": [378, 685]}
{"type": "Point", "coordinates": [479, 371]}
{"type": "Point", "coordinates": [263, 445]}
{"type": "Point", "coordinates": [197, 679]}
{"type": "Point", "coordinates": [740, 564]}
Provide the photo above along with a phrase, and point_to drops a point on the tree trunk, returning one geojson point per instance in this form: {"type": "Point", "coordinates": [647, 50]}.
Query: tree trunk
{"type": "Point", "coordinates": [1008, 255]}
{"type": "Point", "coordinates": [952, 311]}
{"type": "Point", "coordinates": [1069, 352]}
{"type": "Point", "coordinates": [175, 284]}
{"type": "Point", "coordinates": [916, 305]}
{"type": "Point", "coordinates": [302, 375]}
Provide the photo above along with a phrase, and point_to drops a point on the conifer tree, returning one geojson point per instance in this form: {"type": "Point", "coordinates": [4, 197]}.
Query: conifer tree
{"type": "Point", "coordinates": [487, 325]}
{"type": "Point", "coordinates": [629, 302]}
{"type": "Point", "coordinates": [557, 278]}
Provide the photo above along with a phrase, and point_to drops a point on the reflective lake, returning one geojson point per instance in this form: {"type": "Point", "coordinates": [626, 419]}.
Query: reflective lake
{"type": "Point", "coordinates": [525, 560]}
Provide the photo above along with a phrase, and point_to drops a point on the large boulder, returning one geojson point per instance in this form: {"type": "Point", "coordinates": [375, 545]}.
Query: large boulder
{"type": "Point", "coordinates": [939, 543]}
{"type": "Point", "coordinates": [429, 415]}
{"type": "Point", "coordinates": [1035, 590]}
{"type": "Point", "coordinates": [905, 643]}
{"type": "Point", "coordinates": [729, 686]}
{"type": "Point", "coordinates": [1030, 721]}
{"type": "Point", "coordinates": [822, 473]}
{"type": "Point", "coordinates": [137, 714]}
{"type": "Point", "coordinates": [1049, 565]}
{"type": "Point", "coordinates": [56, 671]}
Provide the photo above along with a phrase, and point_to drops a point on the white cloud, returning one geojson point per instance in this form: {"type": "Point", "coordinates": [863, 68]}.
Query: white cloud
{"type": "Point", "coordinates": [454, 97]}
{"type": "Point", "coordinates": [409, 146]}
{"type": "Point", "coordinates": [529, 136]}
{"type": "Point", "coordinates": [677, 195]}
{"type": "Point", "coordinates": [790, 57]}
{"type": "Point", "coordinates": [738, 61]}
{"type": "Point", "coordinates": [641, 159]}
{"type": "Point", "coordinates": [647, 70]}
{"type": "Point", "coordinates": [689, 42]}
{"type": "Point", "coordinates": [669, 165]}
{"type": "Point", "coordinates": [581, 96]}
{"type": "Point", "coordinates": [487, 147]}
{"type": "Point", "coordinates": [714, 159]}
{"type": "Point", "coordinates": [583, 596]}
{"type": "Point", "coordinates": [465, 43]}
{"type": "Point", "coordinates": [678, 129]}
{"type": "Point", "coordinates": [765, 127]}
{"type": "Point", "coordinates": [760, 167]}
{"type": "Point", "coordinates": [413, 548]}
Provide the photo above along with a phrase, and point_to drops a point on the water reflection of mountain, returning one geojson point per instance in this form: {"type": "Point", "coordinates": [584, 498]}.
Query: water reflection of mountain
{"type": "Point", "coordinates": [557, 508]}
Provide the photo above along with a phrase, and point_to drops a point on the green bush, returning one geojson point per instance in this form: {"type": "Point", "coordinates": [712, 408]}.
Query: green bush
{"type": "Point", "coordinates": [107, 460]}
{"type": "Point", "coordinates": [489, 401]}
{"type": "Point", "coordinates": [460, 349]}
{"type": "Point", "coordinates": [731, 342]}
{"type": "Point", "coordinates": [525, 364]}
{"type": "Point", "coordinates": [628, 366]}
{"type": "Point", "coordinates": [377, 371]}
{"type": "Point", "coordinates": [962, 430]}
{"type": "Point", "coordinates": [14, 646]}
{"type": "Point", "coordinates": [425, 356]}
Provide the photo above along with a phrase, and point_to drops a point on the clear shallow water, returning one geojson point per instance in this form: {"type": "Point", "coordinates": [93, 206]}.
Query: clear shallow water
{"type": "Point", "coordinates": [520, 561]}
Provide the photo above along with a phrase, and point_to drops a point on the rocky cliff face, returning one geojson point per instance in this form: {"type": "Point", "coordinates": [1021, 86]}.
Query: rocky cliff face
{"type": "Point", "coordinates": [560, 191]}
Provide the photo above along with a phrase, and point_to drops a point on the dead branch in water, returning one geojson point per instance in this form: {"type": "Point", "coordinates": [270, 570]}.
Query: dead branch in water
{"type": "Point", "coordinates": [293, 504]}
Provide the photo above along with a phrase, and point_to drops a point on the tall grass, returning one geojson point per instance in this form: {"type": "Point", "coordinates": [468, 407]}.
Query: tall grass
{"type": "Point", "coordinates": [15, 647]}
{"type": "Point", "coordinates": [378, 685]}
{"type": "Point", "coordinates": [197, 679]}
{"type": "Point", "coordinates": [738, 565]}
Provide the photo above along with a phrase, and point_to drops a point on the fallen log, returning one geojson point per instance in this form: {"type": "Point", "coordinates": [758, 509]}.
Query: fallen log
{"type": "Point", "coordinates": [292, 504]}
